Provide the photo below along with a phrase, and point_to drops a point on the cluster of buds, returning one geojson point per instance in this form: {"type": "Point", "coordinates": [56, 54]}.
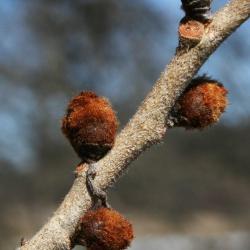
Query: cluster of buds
{"type": "Point", "coordinates": [90, 124]}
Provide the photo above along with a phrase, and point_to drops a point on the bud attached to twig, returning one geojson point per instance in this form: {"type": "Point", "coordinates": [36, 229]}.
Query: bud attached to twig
{"type": "Point", "coordinates": [192, 26]}
{"type": "Point", "coordinates": [105, 229]}
{"type": "Point", "coordinates": [90, 124]}
{"type": "Point", "coordinates": [201, 104]}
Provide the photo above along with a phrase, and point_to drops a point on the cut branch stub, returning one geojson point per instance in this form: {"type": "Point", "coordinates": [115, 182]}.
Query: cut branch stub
{"type": "Point", "coordinates": [190, 33]}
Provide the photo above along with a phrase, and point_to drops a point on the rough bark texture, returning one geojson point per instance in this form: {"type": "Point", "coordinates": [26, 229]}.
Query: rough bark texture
{"type": "Point", "coordinates": [147, 127]}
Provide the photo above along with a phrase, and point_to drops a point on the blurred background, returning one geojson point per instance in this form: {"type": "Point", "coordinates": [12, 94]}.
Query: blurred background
{"type": "Point", "coordinates": [190, 192]}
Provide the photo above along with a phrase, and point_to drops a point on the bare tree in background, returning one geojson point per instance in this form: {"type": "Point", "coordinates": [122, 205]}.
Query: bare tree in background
{"type": "Point", "coordinates": [147, 127]}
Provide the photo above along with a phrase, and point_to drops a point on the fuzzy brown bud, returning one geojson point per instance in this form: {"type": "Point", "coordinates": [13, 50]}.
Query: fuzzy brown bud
{"type": "Point", "coordinates": [105, 229]}
{"type": "Point", "coordinates": [202, 103]}
{"type": "Point", "coordinates": [197, 9]}
{"type": "Point", "coordinates": [90, 124]}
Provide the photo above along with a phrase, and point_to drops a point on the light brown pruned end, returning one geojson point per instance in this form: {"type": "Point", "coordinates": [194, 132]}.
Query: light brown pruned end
{"type": "Point", "coordinates": [190, 33]}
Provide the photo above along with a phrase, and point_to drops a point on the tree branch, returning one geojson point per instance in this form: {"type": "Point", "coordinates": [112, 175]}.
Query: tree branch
{"type": "Point", "coordinates": [147, 127]}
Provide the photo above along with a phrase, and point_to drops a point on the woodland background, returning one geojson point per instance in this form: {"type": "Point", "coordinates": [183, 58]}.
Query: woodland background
{"type": "Point", "coordinates": [196, 184]}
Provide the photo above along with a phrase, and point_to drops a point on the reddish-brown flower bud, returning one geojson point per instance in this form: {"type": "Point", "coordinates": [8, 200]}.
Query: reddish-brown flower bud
{"type": "Point", "coordinates": [90, 124]}
{"type": "Point", "coordinates": [105, 229]}
{"type": "Point", "coordinates": [202, 103]}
